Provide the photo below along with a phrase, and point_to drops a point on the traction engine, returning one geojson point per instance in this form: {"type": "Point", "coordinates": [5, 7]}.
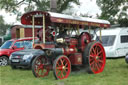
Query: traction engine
{"type": "Point", "coordinates": [64, 51]}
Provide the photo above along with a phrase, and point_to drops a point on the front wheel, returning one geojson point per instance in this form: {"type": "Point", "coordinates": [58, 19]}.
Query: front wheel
{"type": "Point", "coordinates": [126, 58]}
{"type": "Point", "coordinates": [94, 57]}
{"type": "Point", "coordinates": [39, 67]}
{"type": "Point", "coordinates": [61, 67]}
{"type": "Point", "coordinates": [3, 61]}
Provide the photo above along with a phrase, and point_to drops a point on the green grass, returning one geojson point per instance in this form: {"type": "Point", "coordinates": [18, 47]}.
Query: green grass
{"type": "Point", "coordinates": [115, 73]}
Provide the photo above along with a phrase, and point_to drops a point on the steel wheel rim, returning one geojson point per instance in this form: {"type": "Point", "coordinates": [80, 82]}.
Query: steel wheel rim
{"type": "Point", "coordinates": [3, 62]}
{"type": "Point", "coordinates": [40, 69]}
{"type": "Point", "coordinates": [63, 68]}
{"type": "Point", "coordinates": [97, 58]}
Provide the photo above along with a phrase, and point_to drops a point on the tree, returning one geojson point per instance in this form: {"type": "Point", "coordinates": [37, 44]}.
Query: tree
{"type": "Point", "coordinates": [31, 5]}
{"type": "Point", "coordinates": [3, 26]}
{"type": "Point", "coordinates": [114, 10]}
{"type": "Point", "coordinates": [65, 4]}
{"type": "Point", "coordinates": [1, 20]}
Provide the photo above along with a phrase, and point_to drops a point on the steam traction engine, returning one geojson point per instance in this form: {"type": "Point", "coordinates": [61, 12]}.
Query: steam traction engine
{"type": "Point", "coordinates": [63, 46]}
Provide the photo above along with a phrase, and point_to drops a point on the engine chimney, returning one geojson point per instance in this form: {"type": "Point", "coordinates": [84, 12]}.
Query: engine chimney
{"type": "Point", "coordinates": [53, 5]}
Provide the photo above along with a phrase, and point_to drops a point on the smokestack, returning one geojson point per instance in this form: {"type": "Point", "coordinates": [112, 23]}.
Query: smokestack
{"type": "Point", "coordinates": [53, 5]}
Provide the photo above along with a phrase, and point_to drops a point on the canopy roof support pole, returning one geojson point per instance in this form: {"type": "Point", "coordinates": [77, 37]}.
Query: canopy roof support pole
{"type": "Point", "coordinates": [78, 29]}
{"type": "Point", "coordinates": [69, 32]}
{"type": "Point", "coordinates": [43, 28]}
{"type": "Point", "coordinates": [33, 27]}
{"type": "Point", "coordinates": [89, 30]}
{"type": "Point", "coordinates": [100, 34]}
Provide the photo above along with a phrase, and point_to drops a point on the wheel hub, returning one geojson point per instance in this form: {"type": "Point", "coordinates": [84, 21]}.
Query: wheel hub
{"type": "Point", "coordinates": [63, 67]}
{"type": "Point", "coordinates": [97, 57]}
{"type": "Point", "coordinates": [3, 62]}
{"type": "Point", "coordinates": [41, 66]}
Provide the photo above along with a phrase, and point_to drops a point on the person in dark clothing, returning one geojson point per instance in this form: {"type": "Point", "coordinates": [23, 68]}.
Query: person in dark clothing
{"type": "Point", "coordinates": [38, 34]}
{"type": "Point", "coordinates": [62, 33]}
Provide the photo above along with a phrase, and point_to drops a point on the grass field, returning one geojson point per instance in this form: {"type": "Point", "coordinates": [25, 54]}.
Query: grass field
{"type": "Point", "coordinates": [115, 73]}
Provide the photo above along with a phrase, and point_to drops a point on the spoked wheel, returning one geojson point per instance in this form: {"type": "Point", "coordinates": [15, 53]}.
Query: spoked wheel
{"type": "Point", "coordinates": [61, 67]}
{"type": "Point", "coordinates": [39, 67]}
{"type": "Point", "coordinates": [95, 58]}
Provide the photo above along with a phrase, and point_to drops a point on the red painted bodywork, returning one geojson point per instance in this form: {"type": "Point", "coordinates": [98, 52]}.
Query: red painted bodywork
{"type": "Point", "coordinates": [76, 59]}
{"type": "Point", "coordinates": [68, 51]}
{"type": "Point", "coordinates": [43, 46]}
{"type": "Point", "coordinates": [73, 42]}
{"type": "Point", "coordinates": [8, 52]}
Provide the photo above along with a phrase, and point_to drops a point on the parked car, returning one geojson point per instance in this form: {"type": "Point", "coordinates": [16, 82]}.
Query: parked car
{"type": "Point", "coordinates": [126, 58]}
{"type": "Point", "coordinates": [23, 58]}
{"type": "Point", "coordinates": [115, 41]}
{"type": "Point", "coordinates": [11, 46]}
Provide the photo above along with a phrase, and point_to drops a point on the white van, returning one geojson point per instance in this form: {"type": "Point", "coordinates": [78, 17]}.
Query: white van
{"type": "Point", "coordinates": [114, 40]}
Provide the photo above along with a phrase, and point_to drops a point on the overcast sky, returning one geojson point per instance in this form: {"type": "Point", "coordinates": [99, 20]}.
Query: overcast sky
{"type": "Point", "coordinates": [87, 6]}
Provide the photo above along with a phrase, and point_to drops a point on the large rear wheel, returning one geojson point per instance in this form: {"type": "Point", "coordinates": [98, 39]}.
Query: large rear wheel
{"type": "Point", "coordinates": [61, 67]}
{"type": "Point", "coordinates": [94, 57]}
{"type": "Point", "coordinates": [39, 67]}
